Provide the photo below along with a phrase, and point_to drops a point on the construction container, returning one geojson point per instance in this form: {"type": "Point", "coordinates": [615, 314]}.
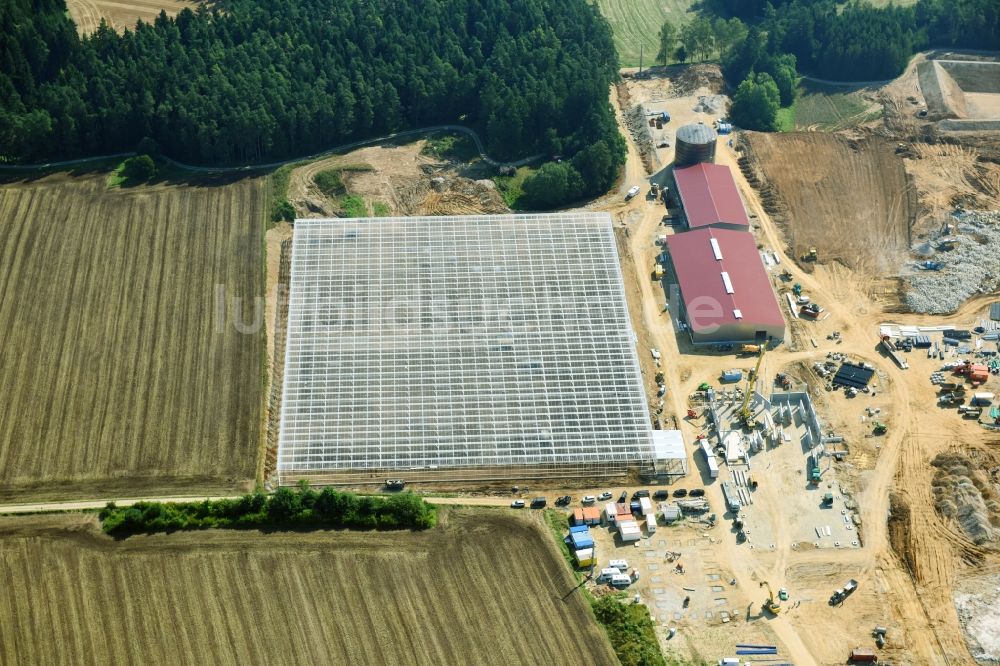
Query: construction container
{"type": "Point", "coordinates": [651, 524]}
{"type": "Point", "coordinates": [581, 540]}
{"type": "Point", "coordinates": [584, 557]}
{"type": "Point", "coordinates": [621, 565]}
{"type": "Point", "coordinates": [733, 375]}
{"type": "Point", "coordinates": [629, 530]}
{"type": "Point", "coordinates": [646, 506]}
{"type": "Point", "coordinates": [577, 517]}
{"type": "Point", "coordinates": [713, 464]}
{"type": "Point", "coordinates": [695, 144]}
{"type": "Point", "coordinates": [982, 398]}
{"type": "Point", "coordinates": [591, 516]}
{"type": "Point", "coordinates": [671, 513]}
{"type": "Point", "coordinates": [610, 512]}
{"type": "Point", "coordinates": [621, 580]}
{"type": "Point", "coordinates": [862, 655]}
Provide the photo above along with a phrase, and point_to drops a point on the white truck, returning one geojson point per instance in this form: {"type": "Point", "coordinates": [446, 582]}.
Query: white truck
{"type": "Point", "coordinates": [632, 191]}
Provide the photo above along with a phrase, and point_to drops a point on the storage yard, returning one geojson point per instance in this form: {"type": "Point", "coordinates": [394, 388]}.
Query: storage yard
{"type": "Point", "coordinates": [131, 375]}
{"type": "Point", "coordinates": [312, 597]}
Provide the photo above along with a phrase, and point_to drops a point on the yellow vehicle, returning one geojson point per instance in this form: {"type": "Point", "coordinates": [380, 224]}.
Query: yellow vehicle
{"type": "Point", "coordinates": [658, 272]}
{"type": "Point", "coordinates": [750, 349]}
{"type": "Point", "coordinates": [746, 416]}
{"type": "Point", "coordinates": [772, 605]}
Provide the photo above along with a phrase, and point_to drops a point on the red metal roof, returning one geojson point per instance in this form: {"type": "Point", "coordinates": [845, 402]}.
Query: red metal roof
{"type": "Point", "coordinates": [703, 279]}
{"type": "Point", "coordinates": [709, 195]}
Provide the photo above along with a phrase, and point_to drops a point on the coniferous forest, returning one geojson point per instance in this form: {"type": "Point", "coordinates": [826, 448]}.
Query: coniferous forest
{"type": "Point", "coordinates": [258, 80]}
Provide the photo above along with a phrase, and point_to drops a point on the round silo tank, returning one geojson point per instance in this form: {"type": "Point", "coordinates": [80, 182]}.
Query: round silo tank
{"type": "Point", "coordinates": [695, 144]}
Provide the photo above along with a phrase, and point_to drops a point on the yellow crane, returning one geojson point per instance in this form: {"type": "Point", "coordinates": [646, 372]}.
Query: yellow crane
{"type": "Point", "coordinates": [771, 605]}
{"type": "Point", "coordinates": [746, 416]}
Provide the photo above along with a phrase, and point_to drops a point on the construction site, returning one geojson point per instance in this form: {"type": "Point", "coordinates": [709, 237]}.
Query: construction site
{"type": "Point", "coordinates": [824, 368]}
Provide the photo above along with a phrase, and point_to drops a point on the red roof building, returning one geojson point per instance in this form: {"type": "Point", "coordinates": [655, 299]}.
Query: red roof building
{"type": "Point", "coordinates": [710, 197]}
{"type": "Point", "coordinates": [726, 291]}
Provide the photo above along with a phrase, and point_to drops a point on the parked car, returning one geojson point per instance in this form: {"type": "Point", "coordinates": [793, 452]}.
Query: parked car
{"type": "Point", "coordinates": [681, 492]}
{"type": "Point", "coordinates": [588, 499]}
{"type": "Point", "coordinates": [517, 504]}
{"type": "Point", "coordinates": [605, 496]}
{"type": "Point", "coordinates": [564, 500]}
{"type": "Point", "coordinates": [632, 191]}
{"type": "Point", "coordinates": [623, 497]}
{"type": "Point", "coordinates": [538, 503]}
{"type": "Point", "coordinates": [661, 494]}
{"type": "Point", "coordinates": [640, 493]}
{"type": "Point", "coordinates": [697, 492]}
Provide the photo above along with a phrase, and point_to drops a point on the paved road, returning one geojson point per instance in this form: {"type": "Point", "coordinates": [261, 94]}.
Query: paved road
{"type": "Point", "coordinates": [305, 158]}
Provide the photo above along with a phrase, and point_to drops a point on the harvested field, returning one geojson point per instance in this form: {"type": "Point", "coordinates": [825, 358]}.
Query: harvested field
{"type": "Point", "coordinates": [483, 587]}
{"type": "Point", "coordinates": [831, 108]}
{"type": "Point", "coordinates": [638, 22]}
{"type": "Point", "coordinates": [847, 197]}
{"type": "Point", "coordinates": [119, 374]}
{"type": "Point", "coordinates": [87, 14]}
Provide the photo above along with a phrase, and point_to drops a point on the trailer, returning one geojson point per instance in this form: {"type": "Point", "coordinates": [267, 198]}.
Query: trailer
{"type": "Point", "coordinates": [713, 464]}
{"type": "Point", "coordinates": [982, 398]}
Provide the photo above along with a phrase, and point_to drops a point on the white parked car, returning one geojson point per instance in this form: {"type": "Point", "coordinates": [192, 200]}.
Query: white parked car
{"type": "Point", "coordinates": [517, 504]}
{"type": "Point", "coordinates": [588, 499]}
{"type": "Point", "coordinates": [605, 496]}
{"type": "Point", "coordinates": [632, 191]}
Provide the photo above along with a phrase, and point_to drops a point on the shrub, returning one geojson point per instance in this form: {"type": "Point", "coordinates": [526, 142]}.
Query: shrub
{"type": "Point", "coordinates": [139, 169]}
{"type": "Point", "coordinates": [287, 507]}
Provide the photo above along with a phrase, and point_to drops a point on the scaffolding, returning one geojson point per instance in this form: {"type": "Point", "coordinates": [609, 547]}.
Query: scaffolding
{"type": "Point", "coordinates": [481, 346]}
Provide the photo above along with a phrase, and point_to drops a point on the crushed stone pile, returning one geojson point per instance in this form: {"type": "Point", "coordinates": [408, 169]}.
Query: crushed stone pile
{"type": "Point", "coordinates": [979, 615]}
{"type": "Point", "coordinates": [711, 104]}
{"type": "Point", "coordinates": [964, 492]}
{"type": "Point", "coordinates": [972, 267]}
{"type": "Point", "coordinates": [696, 77]}
{"type": "Point", "coordinates": [638, 126]}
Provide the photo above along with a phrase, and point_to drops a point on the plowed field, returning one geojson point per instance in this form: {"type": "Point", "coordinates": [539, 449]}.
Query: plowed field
{"type": "Point", "coordinates": [848, 198]}
{"type": "Point", "coordinates": [482, 588]}
{"type": "Point", "coordinates": [116, 371]}
{"type": "Point", "coordinates": [87, 14]}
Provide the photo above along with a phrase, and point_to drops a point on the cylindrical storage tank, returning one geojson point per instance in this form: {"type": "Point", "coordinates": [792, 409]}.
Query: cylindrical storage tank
{"type": "Point", "coordinates": [695, 144]}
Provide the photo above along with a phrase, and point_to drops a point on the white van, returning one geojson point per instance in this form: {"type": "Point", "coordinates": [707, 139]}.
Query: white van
{"type": "Point", "coordinates": [620, 580]}
{"type": "Point", "coordinates": [620, 565]}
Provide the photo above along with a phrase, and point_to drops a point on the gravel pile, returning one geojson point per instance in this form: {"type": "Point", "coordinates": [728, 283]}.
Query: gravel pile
{"type": "Point", "coordinates": [695, 77]}
{"type": "Point", "coordinates": [711, 104]}
{"type": "Point", "coordinates": [972, 267]}
{"type": "Point", "coordinates": [638, 126]}
{"type": "Point", "coordinates": [979, 615]}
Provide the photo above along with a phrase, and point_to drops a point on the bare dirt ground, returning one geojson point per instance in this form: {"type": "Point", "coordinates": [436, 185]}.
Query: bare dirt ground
{"type": "Point", "coordinates": [483, 587]}
{"type": "Point", "coordinates": [402, 179]}
{"type": "Point", "coordinates": [847, 196]}
{"type": "Point", "coordinates": [87, 14]}
{"type": "Point", "coordinates": [907, 567]}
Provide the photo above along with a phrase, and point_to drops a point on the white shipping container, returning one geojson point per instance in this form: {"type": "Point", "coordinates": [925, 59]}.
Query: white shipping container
{"type": "Point", "coordinates": [982, 398]}
{"type": "Point", "coordinates": [651, 523]}
{"type": "Point", "coordinates": [646, 506]}
{"type": "Point", "coordinates": [610, 512]}
{"type": "Point", "coordinates": [629, 530]}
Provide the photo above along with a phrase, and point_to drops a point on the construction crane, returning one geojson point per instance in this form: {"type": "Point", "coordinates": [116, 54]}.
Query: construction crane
{"type": "Point", "coordinates": [772, 606]}
{"type": "Point", "coordinates": [746, 415]}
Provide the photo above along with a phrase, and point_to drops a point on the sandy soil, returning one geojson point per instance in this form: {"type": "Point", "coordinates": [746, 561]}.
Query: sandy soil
{"type": "Point", "coordinates": [87, 14]}
{"type": "Point", "coordinates": [906, 579]}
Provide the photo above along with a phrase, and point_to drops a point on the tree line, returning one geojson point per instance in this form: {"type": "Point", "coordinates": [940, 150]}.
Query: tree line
{"type": "Point", "coordinates": [828, 38]}
{"type": "Point", "coordinates": [300, 507]}
{"type": "Point", "coordinates": [261, 80]}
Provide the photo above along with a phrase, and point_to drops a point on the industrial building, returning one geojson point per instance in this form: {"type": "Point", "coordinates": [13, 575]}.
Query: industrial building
{"type": "Point", "coordinates": [727, 296]}
{"type": "Point", "coordinates": [460, 348]}
{"type": "Point", "coordinates": [710, 198]}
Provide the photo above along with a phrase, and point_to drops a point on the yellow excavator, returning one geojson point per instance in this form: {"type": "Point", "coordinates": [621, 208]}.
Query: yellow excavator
{"type": "Point", "coordinates": [772, 605]}
{"type": "Point", "coordinates": [746, 415]}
